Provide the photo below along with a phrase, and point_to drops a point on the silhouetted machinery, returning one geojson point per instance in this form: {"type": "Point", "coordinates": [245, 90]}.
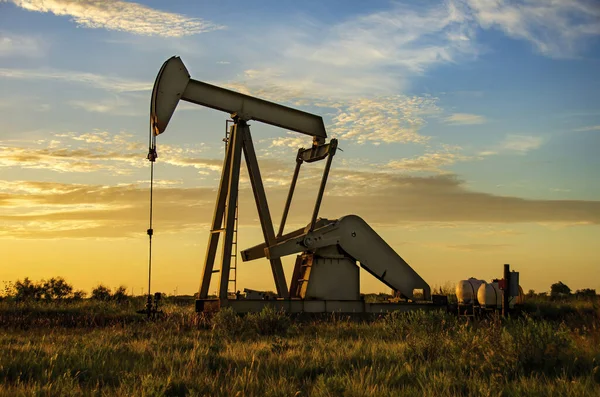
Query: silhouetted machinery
{"type": "Point", "coordinates": [326, 273]}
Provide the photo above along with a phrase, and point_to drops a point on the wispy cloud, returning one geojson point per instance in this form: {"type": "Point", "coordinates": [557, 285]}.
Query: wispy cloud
{"type": "Point", "coordinates": [122, 16]}
{"type": "Point", "coordinates": [118, 105]}
{"type": "Point", "coordinates": [373, 54]}
{"type": "Point", "coordinates": [521, 143]}
{"type": "Point", "coordinates": [396, 118]}
{"type": "Point", "coordinates": [117, 211]}
{"type": "Point", "coordinates": [465, 118]}
{"type": "Point", "coordinates": [12, 45]}
{"type": "Point", "coordinates": [66, 160]}
{"type": "Point", "coordinates": [108, 83]}
{"type": "Point", "coordinates": [432, 161]}
{"type": "Point", "coordinates": [291, 140]}
{"type": "Point", "coordinates": [556, 28]}
{"type": "Point", "coordinates": [589, 128]}
{"type": "Point", "coordinates": [477, 247]}
{"type": "Point", "coordinates": [90, 152]}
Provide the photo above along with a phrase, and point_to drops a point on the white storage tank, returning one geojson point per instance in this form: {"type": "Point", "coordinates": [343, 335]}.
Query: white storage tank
{"type": "Point", "coordinates": [466, 291]}
{"type": "Point", "coordinates": [490, 295]}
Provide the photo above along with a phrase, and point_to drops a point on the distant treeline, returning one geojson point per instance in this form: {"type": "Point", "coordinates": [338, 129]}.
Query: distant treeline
{"type": "Point", "coordinates": [57, 289]}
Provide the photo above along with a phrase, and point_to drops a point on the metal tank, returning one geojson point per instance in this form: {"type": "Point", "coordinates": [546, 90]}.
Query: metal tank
{"type": "Point", "coordinates": [489, 295]}
{"type": "Point", "coordinates": [466, 291]}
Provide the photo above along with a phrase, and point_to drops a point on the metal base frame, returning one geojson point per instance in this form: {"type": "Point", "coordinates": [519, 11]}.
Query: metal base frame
{"type": "Point", "coordinates": [313, 306]}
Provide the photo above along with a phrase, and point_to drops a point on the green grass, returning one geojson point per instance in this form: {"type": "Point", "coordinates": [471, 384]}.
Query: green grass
{"type": "Point", "coordinates": [102, 349]}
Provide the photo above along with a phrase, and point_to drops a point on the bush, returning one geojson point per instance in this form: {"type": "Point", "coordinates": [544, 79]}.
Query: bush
{"type": "Point", "coordinates": [28, 290]}
{"type": "Point", "coordinates": [270, 321]}
{"type": "Point", "coordinates": [267, 322]}
{"type": "Point", "coordinates": [227, 323]}
{"type": "Point", "coordinates": [56, 288]}
{"type": "Point", "coordinates": [101, 293]}
{"type": "Point", "coordinates": [120, 294]}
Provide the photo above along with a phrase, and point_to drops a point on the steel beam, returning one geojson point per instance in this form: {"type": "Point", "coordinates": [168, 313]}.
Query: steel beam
{"type": "Point", "coordinates": [288, 201]}
{"type": "Point", "coordinates": [263, 209]}
{"type": "Point", "coordinates": [217, 223]}
{"type": "Point", "coordinates": [331, 152]}
{"type": "Point", "coordinates": [235, 143]}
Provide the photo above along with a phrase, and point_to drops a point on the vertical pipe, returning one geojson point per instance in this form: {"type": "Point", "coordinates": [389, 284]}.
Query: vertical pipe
{"type": "Point", "coordinates": [506, 292]}
{"type": "Point", "coordinates": [288, 201]}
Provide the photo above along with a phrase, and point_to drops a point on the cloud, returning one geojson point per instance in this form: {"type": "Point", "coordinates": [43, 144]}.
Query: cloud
{"type": "Point", "coordinates": [99, 151]}
{"type": "Point", "coordinates": [381, 198]}
{"type": "Point", "coordinates": [396, 118]}
{"type": "Point", "coordinates": [465, 118]}
{"type": "Point", "coordinates": [292, 140]}
{"type": "Point", "coordinates": [374, 54]}
{"type": "Point", "coordinates": [560, 190]}
{"type": "Point", "coordinates": [521, 143]}
{"type": "Point", "coordinates": [121, 16]}
{"type": "Point", "coordinates": [477, 247]}
{"type": "Point", "coordinates": [12, 45]}
{"type": "Point", "coordinates": [66, 160]}
{"type": "Point", "coordinates": [107, 83]}
{"type": "Point", "coordinates": [372, 119]}
{"type": "Point", "coordinates": [117, 105]}
{"type": "Point", "coordinates": [556, 28]}
{"type": "Point", "coordinates": [589, 128]}
{"type": "Point", "coordinates": [431, 161]}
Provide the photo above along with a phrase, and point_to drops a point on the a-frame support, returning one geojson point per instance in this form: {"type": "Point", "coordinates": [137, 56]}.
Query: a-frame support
{"type": "Point", "coordinates": [224, 215]}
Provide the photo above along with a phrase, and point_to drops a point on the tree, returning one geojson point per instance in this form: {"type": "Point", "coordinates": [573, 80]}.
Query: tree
{"type": "Point", "coordinates": [101, 293]}
{"type": "Point", "coordinates": [559, 289]}
{"type": "Point", "coordinates": [28, 290]}
{"type": "Point", "coordinates": [586, 293]}
{"type": "Point", "coordinates": [79, 295]}
{"type": "Point", "coordinates": [57, 288]}
{"type": "Point", "coordinates": [120, 294]}
{"type": "Point", "coordinates": [530, 293]}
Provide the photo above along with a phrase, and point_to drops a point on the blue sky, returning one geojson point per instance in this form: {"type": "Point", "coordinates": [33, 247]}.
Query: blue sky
{"type": "Point", "coordinates": [496, 99]}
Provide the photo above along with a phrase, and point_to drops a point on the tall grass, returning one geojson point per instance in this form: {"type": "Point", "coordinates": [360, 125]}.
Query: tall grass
{"type": "Point", "coordinates": [267, 354]}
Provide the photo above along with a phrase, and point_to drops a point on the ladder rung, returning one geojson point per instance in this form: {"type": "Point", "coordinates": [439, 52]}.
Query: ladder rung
{"type": "Point", "coordinates": [217, 230]}
{"type": "Point", "coordinates": [216, 271]}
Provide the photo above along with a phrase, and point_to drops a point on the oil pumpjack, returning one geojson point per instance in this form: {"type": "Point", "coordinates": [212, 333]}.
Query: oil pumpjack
{"type": "Point", "coordinates": [326, 273]}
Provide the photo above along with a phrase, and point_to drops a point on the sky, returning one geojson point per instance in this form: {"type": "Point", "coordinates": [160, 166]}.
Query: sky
{"type": "Point", "coordinates": [469, 132]}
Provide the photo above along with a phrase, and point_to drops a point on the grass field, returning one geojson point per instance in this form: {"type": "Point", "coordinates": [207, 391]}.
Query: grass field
{"type": "Point", "coordinates": [100, 348]}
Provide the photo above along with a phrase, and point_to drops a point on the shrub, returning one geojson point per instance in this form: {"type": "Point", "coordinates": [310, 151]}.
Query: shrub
{"type": "Point", "coordinates": [101, 293]}
{"type": "Point", "coordinates": [56, 288]}
{"type": "Point", "coordinates": [120, 294]}
{"type": "Point", "coordinates": [28, 290]}
{"type": "Point", "coordinates": [226, 322]}
{"type": "Point", "coordinates": [540, 346]}
{"type": "Point", "coordinates": [270, 321]}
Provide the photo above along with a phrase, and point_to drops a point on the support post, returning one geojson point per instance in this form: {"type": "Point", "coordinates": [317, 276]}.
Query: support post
{"type": "Point", "coordinates": [217, 223]}
{"type": "Point", "coordinates": [332, 149]}
{"type": "Point", "coordinates": [235, 145]}
{"type": "Point", "coordinates": [263, 209]}
{"type": "Point", "coordinates": [288, 201]}
{"type": "Point", "coordinates": [506, 291]}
